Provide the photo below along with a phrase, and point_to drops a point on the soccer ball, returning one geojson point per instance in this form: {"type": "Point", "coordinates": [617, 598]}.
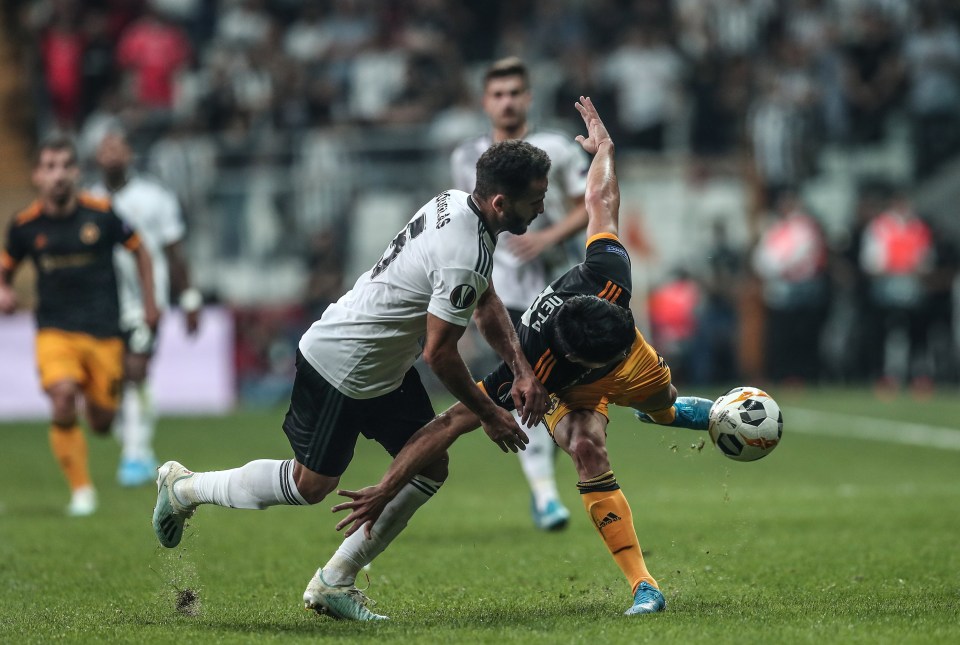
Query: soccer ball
{"type": "Point", "coordinates": [745, 424]}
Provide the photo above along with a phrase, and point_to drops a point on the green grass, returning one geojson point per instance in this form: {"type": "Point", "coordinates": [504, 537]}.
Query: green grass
{"type": "Point", "coordinates": [827, 540]}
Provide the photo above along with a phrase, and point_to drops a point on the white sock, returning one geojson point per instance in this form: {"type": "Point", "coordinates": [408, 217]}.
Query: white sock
{"type": "Point", "coordinates": [137, 421]}
{"type": "Point", "coordinates": [256, 486]}
{"type": "Point", "coordinates": [537, 463]}
{"type": "Point", "coordinates": [357, 551]}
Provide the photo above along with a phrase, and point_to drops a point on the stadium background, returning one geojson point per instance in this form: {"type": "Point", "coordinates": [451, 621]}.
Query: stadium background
{"type": "Point", "coordinates": [301, 136]}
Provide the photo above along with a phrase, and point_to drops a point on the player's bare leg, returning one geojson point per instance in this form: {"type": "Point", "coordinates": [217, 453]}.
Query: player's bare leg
{"type": "Point", "coordinates": [69, 447]}
{"type": "Point", "coordinates": [333, 587]}
{"type": "Point", "coordinates": [256, 485]}
{"type": "Point", "coordinates": [667, 409]}
{"type": "Point", "coordinates": [582, 435]}
{"type": "Point", "coordinates": [537, 461]}
{"type": "Point", "coordinates": [99, 418]}
{"type": "Point", "coordinates": [138, 464]}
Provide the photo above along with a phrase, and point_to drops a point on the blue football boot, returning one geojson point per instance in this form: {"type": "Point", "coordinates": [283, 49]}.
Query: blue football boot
{"type": "Point", "coordinates": [692, 412]}
{"type": "Point", "coordinates": [647, 600]}
{"type": "Point", "coordinates": [553, 517]}
{"type": "Point", "coordinates": [136, 472]}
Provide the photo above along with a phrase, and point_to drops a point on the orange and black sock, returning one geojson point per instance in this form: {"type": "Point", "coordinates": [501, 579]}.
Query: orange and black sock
{"type": "Point", "coordinates": [69, 447]}
{"type": "Point", "coordinates": [610, 513]}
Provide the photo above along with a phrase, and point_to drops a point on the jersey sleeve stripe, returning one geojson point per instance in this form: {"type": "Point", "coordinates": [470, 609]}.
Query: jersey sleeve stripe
{"type": "Point", "coordinates": [30, 212]}
{"type": "Point", "coordinates": [545, 368]}
{"type": "Point", "coordinates": [91, 201]}
{"type": "Point", "coordinates": [546, 355]}
{"type": "Point", "coordinates": [541, 366]}
{"type": "Point", "coordinates": [484, 261]}
{"type": "Point", "coordinates": [602, 236]}
{"type": "Point", "coordinates": [603, 294]}
{"type": "Point", "coordinates": [479, 267]}
{"type": "Point", "coordinates": [548, 368]}
{"type": "Point", "coordinates": [7, 263]}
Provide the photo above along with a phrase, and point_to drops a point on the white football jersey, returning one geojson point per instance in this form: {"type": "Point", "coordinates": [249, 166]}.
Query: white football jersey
{"type": "Point", "coordinates": [154, 212]}
{"type": "Point", "coordinates": [439, 263]}
{"type": "Point", "coordinates": [519, 283]}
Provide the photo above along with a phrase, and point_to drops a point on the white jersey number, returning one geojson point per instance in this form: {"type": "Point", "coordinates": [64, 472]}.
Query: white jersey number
{"type": "Point", "coordinates": [410, 231]}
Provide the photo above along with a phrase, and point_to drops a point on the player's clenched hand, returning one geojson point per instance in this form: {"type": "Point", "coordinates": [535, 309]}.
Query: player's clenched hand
{"type": "Point", "coordinates": [8, 300]}
{"type": "Point", "coordinates": [503, 430]}
{"type": "Point", "coordinates": [596, 131]}
{"type": "Point", "coordinates": [530, 398]}
{"type": "Point", "coordinates": [365, 508]}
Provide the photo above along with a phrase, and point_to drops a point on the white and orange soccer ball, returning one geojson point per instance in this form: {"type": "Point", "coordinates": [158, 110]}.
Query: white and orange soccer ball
{"type": "Point", "coordinates": [745, 424]}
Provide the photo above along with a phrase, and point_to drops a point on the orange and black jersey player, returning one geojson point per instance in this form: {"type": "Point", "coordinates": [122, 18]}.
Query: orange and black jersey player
{"type": "Point", "coordinates": [76, 282]}
{"type": "Point", "coordinates": [604, 273]}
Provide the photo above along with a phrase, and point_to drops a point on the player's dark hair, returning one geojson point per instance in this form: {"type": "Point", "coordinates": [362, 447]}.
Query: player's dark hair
{"type": "Point", "coordinates": [509, 66]}
{"type": "Point", "coordinates": [509, 167]}
{"type": "Point", "coordinates": [56, 141]}
{"type": "Point", "coordinates": [593, 329]}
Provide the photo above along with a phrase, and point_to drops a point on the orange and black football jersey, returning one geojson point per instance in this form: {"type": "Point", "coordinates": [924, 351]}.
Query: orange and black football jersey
{"type": "Point", "coordinates": [73, 255]}
{"type": "Point", "coordinates": [605, 273]}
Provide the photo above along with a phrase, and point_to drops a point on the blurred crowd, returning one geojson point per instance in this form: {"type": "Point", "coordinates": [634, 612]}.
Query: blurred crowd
{"type": "Point", "coordinates": [211, 88]}
{"type": "Point", "coordinates": [779, 77]}
{"type": "Point", "coordinates": [877, 306]}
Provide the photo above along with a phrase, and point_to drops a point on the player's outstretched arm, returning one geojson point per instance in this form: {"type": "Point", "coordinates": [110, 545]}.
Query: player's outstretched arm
{"type": "Point", "coordinates": [529, 396]}
{"type": "Point", "coordinates": [145, 273]}
{"type": "Point", "coordinates": [441, 354]}
{"type": "Point", "coordinates": [424, 447]}
{"type": "Point", "coordinates": [190, 299]}
{"type": "Point", "coordinates": [603, 189]}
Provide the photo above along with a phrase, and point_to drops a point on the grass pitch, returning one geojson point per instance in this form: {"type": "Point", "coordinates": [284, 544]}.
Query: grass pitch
{"type": "Point", "coordinates": [830, 539]}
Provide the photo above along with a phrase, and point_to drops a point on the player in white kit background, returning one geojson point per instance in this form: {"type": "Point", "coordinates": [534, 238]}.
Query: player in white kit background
{"type": "Point", "coordinates": [524, 265]}
{"type": "Point", "coordinates": [356, 375]}
{"type": "Point", "coordinates": [154, 212]}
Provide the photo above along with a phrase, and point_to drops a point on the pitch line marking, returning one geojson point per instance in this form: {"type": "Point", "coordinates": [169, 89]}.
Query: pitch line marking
{"type": "Point", "coordinates": [852, 426]}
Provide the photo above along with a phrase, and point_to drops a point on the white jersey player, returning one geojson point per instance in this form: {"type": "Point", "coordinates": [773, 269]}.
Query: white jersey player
{"type": "Point", "coordinates": [154, 212]}
{"type": "Point", "coordinates": [429, 274]}
{"type": "Point", "coordinates": [525, 265]}
{"type": "Point", "coordinates": [520, 271]}
{"type": "Point", "coordinates": [355, 371]}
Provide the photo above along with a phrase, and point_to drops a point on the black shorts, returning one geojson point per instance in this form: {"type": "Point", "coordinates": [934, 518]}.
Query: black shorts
{"type": "Point", "coordinates": [323, 425]}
